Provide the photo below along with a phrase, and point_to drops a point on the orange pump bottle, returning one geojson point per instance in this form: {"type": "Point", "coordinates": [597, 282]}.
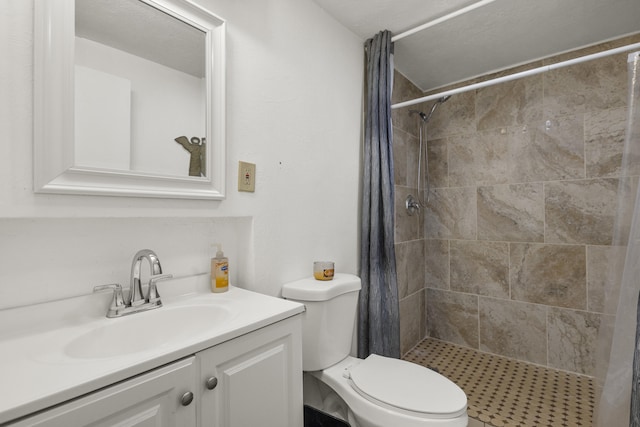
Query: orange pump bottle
{"type": "Point", "coordinates": [219, 272]}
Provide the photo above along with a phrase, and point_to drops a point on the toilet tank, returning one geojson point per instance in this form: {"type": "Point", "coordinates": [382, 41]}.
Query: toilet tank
{"type": "Point", "coordinates": [329, 318]}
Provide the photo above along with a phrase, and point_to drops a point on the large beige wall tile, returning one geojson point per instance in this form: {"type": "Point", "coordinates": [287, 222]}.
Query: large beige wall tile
{"type": "Point", "coordinates": [604, 135]}
{"type": "Point", "coordinates": [513, 213]}
{"type": "Point", "coordinates": [451, 214]}
{"type": "Point", "coordinates": [456, 116]}
{"type": "Point", "coordinates": [508, 104]}
{"type": "Point", "coordinates": [410, 267]}
{"type": "Point", "coordinates": [401, 143]}
{"type": "Point", "coordinates": [564, 139]}
{"type": "Point", "coordinates": [631, 165]}
{"type": "Point", "coordinates": [461, 155]}
{"type": "Point", "coordinates": [438, 163]}
{"type": "Point", "coordinates": [581, 211]}
{"type": "Point", "coordinates": [479, 158]}
{"type": "Point", "coordinates": [625, 206]}
{"type": "Point", "coordinates": [605, 265]}
{"type": "Point", "coordinates": [412, 321]}
{"type": "Point", "coordinates": [546, 151]}
{"type": "Point", "coordinates": [573, 337]}
{"type": "Point", "coordinates": [480, 268]}
{"type": "Point", "coordinates": [437, 264]}
{"type": "Point", "coordinates": [407, 227]}
{"type": "Point", "coordinates": [400, 157]}
{"type": "Point", "coordinates": [590, 86]}
{"type": "Point", "coordinates": [413, 162]}
{"type": "Point", "coordinates": [549, 274]}
{"type": "Point", "coordinates": [513, 329]}
{"type": "Point", "coordinates": [452, 317]}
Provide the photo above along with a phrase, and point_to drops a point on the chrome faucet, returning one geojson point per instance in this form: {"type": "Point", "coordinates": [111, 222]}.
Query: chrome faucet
{"type": "Point", "coordinates": [135, 301]}
{"type": "Point", "coordinates": [135, 297]}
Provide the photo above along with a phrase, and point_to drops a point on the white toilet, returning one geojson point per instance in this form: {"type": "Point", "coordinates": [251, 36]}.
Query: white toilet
{"type": "Point", "coordinates": [374, 392]}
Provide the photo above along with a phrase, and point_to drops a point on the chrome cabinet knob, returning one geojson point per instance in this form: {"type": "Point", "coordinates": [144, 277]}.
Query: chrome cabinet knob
{"type": "Point", "coordinates": [211, 383]}
{"type": "Point", "coordinates": [186, 398]}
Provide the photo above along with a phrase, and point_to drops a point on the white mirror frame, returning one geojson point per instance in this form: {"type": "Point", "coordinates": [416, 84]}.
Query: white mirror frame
{"type": "Point", "coordinates": [54, 169]}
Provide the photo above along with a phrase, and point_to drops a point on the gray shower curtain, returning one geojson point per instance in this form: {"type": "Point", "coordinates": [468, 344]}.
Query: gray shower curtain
{"type": "Point", "coordinates": [378, 315]}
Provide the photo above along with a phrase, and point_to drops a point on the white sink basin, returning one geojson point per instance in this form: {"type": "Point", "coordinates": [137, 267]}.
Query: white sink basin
{"type": "Point", "coordinates": [77, 349]}
{"type": "Point", "coordinates": [147, 330]}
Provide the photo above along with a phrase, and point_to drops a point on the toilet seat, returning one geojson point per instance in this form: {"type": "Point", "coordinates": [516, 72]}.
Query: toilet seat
{"type": "Point", "coordinates": [407, 386]}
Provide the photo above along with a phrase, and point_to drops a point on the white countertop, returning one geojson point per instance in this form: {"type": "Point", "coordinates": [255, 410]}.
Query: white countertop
{"type": "Point", "coordinates": [36, 372]}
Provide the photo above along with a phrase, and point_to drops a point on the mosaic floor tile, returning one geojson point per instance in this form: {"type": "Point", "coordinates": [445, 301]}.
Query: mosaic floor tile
{"type": "Point", "coordinates": [506, 392]}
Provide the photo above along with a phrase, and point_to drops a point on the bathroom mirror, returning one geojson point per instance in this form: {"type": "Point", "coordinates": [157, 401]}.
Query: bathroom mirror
{"type": "Point", "coordinates": [129, 99]}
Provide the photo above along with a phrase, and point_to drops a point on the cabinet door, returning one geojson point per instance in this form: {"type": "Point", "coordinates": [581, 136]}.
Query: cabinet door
{"type": "Point", "coordinates": [259, 379]}
{"type": "Point", "coordinates": [151, 399]}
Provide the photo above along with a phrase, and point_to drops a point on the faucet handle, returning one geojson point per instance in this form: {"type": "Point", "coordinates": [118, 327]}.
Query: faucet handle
{"type": "Point", "coordinates": [117, 303]}
{"type": "Point", "coordinates": [153, 296]}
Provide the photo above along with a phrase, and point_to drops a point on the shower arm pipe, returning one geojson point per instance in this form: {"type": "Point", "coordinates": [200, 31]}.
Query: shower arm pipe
{"type": "Point", "coordinates": [440, 20]}
{"type": "Point", "coordinates": [516, 76]}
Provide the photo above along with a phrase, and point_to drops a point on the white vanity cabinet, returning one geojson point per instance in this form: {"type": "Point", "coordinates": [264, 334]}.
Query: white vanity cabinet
{"type": "Point", "coordinates": [150, 399]}
{"type": "Point", "coordinates": [254, 379]}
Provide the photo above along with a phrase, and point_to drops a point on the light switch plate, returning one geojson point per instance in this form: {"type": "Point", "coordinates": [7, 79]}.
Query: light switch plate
{"type": "Point", "coordinates": [246, 177]}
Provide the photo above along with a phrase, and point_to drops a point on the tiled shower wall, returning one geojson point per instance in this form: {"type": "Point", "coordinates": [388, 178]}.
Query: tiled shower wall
{"type": "Point", "coordinates": [510, 254]}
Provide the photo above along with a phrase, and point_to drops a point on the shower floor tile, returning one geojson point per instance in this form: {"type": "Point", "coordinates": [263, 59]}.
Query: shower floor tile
{"type": "Point", "coordinates": [506, 392]}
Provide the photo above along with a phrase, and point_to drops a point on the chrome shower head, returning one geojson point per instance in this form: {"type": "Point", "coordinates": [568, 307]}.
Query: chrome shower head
{"type": "Point", "coordinates": [422, 115]}
{"type": "Point", "coordinates": [425, 117]}
{"type": "Point", "coordinates": [435, 105]}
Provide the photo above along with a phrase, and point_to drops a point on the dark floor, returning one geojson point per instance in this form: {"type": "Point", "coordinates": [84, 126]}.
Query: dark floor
{"type": "Point", "coordinates": [506, 392]}
{"type": "Point", "coordinates": [316, 418]}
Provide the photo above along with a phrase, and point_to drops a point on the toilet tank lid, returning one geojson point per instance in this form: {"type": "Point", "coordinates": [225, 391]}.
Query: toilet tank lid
{"type": "Point", "coordinates": [310, 289]}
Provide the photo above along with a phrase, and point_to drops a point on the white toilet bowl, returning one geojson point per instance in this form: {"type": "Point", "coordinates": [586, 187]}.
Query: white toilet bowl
{"type": "Point", "coordinates": [384, 392]}
{"type": "Point", "coordinates": [374, 392]}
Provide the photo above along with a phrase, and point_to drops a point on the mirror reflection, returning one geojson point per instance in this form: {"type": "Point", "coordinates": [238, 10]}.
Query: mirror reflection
{"type": "Point", "coordinates": [140, 90]}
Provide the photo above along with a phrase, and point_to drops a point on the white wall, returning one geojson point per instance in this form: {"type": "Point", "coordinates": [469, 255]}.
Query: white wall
{"type": "Point", "coordinates": [294, 99]}
{"type": "Point", "coordinates": [102, 119]}
{"type": "Point", "coordinates": [165, 104]}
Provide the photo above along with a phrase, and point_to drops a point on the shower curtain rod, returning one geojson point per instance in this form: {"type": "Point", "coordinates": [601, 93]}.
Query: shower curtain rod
{"type": "Point", "coordinates": [441, 19]}
{"type": "Point", "coordinates": [516, 76]}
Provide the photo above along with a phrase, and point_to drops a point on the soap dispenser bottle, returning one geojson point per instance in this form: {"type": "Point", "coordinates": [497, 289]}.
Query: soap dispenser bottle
{"type": "Point", "coordinates": [219, 272]}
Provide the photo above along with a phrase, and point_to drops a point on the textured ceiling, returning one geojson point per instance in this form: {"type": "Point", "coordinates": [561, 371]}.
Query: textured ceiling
{"type": "Point", "coordinates": [493, 37]}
